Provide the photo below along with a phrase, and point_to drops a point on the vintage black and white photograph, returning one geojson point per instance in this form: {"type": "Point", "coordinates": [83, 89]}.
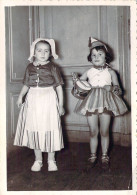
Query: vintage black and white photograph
{"type": "Point", "coordinates": [68, 98]}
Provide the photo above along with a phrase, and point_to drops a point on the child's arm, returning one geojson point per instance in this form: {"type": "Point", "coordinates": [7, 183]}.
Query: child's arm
{"type": "Point", "coordinates": [116, 88]}
{"type": "Point", "coordinates": [114, 77]}
{"type": "Point", "coordinates": [84, 76]}
{"type": "Point", "coordinates": [22, 93]}
{"type": "Point", "coordinates": [60, 97]}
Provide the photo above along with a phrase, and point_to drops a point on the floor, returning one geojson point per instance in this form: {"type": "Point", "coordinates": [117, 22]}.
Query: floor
{"type": "Point", "coordinates": [72, 174]}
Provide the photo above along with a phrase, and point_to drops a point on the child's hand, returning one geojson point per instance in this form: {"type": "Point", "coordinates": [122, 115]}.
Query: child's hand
{"type": "Point", "coordinates": [74, 76]}
{"type": "Point", "coordinates": [117, 90]}
{"type": "Point", "coordinates": [61, 111]}
{"type": "Point", "coordinates": [19, 102]}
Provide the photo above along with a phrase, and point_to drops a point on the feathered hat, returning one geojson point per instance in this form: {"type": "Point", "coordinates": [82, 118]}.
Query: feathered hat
{"type": "Point", "coordinates": [50, 41]}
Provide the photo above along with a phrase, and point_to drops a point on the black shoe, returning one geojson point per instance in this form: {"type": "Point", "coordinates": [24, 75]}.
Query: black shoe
{"type": "Point", "coordinates": [105, 162]}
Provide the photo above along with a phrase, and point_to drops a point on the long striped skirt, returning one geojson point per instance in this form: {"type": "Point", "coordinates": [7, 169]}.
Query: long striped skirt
{"type": "Point", "coordinates": [39, 125]}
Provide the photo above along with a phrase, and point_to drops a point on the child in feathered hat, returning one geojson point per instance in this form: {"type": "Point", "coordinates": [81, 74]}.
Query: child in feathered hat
{"type": "Point", "coordinates": [39, 126]}
{"type": "Point", "coordinates": [103, 100]}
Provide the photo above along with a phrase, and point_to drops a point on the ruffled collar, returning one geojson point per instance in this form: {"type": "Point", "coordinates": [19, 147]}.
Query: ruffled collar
{"type": "Point", "coordinates": [100, 67]}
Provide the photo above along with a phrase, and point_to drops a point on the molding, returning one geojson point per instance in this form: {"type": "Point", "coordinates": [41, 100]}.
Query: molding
{"type": "Point", "coordinates": [34, 32]}
{"type": "Point", "coordinates": [68, 77]}
{"type": "Point", "coordinates": [42, 21]}
{"type": "Point", "coordinates": [30, 26]}
{"type": "Point", "coordinates": [83, 136]}
{"type": "Point", "coordinates": [99, 23]}
{"type": "Point", "coordinates": [12, 96]}
{"type": "Point", "coordinates": [75, 65]}
{"type": "Point", "coordinates": [36, 22]}
{"type": "Point", "coordinates": [104, 24]}
{"type": "Point", "coordinates": [10, 42]}
{"type": "Point", "coordinates": [51, 23]}
{"type": "Point", "coordinates": [13, 78]}
{"type": "Point", "coordinates": [76, 124]}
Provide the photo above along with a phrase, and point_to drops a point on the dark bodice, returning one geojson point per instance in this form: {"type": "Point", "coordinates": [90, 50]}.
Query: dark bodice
{"type": "Point", "coordinates": [43, 75]}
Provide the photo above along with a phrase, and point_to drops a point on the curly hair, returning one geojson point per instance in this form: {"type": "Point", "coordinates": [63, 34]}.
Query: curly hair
{"type": "Point", "coordinates": [108, 56]}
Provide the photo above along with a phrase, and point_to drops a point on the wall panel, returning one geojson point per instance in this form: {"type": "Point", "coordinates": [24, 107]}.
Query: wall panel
{"type": "Point", "coordinates": [67, 24]}
{"type": "Point", "coordinates": [19, 44]}
{"type": "Point", "coordinates": [71, 27]}
{"type": "Point", "coordinates": [17, 53]}
{"type": "Point", "coordinates": [14, 112]}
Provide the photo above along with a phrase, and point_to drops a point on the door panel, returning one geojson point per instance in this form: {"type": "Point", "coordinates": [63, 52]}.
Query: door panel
{"type": "Point", "coordinates": [17, 52]}
{"type": "Point", "coordinates": [71, 27]}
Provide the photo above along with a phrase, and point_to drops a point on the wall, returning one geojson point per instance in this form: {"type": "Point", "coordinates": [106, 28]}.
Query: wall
{"type": "Point", "coordinates": [70, 27]}
{"type": "Point", "coordinates": [17, 52]}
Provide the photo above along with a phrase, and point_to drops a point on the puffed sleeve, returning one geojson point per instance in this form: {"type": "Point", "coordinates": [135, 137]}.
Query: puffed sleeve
{"type": "Point", "coordinates": [57, 76]}
{"type": "Point", "coordinates": [26, 77]}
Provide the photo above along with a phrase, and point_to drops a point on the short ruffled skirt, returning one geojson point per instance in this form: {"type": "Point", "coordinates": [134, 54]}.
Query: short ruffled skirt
{"type": "Point", "coordinates": [39, 125]}
{"type": "Point", "coordinates": [98, 101]}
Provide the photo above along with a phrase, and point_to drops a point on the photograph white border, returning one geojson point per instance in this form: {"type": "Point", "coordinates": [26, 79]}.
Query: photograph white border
{"type": "Point", "coordinates": [133, 35]}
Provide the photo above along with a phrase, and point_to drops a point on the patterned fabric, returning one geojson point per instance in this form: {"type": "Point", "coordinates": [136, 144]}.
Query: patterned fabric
{"type": "Point", "coordinates": [101, 98]}
{"type": "Point", "coordinates": [42, 76]}
{"type": "Point", "coordinates": [99, 77]}
{"type": "Point", "coordinates": [39, 125]}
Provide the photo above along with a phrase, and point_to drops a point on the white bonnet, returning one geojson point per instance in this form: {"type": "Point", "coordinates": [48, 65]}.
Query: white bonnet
{"type": "Point", "coordinates": [50, 41]}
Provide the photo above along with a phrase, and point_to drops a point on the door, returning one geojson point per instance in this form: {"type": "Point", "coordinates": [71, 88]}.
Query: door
{"type": "Point", "coordinates": [71, 27]}
{"type": "Point", "coordinates": [17, 52]}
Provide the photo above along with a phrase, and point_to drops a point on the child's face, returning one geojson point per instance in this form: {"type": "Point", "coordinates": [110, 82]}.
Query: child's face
{"type": "Point", "coordinates": [42, 52]}
{"type": "Point", "coordinates": [98, 57]}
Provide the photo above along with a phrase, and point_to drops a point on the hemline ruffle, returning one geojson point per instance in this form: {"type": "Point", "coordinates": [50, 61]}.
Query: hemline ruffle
{"type": "Point", "coordinates": [99, 101]}
{"type": "Point", "coordinates": [43, 141]}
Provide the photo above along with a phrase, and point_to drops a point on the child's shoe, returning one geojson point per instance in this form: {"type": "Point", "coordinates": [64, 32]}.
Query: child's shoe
{"type": "Point", "coordinates": [52, 165]}
{"type": "Point", "coordinates": [37, 166]}
{"type": "Point", "coordinates": [93, 160]}
{"type": "Point", "coordinates": [105, 161]}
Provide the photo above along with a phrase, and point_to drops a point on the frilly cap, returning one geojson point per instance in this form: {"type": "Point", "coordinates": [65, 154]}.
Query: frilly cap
{"type": "Point", "coordinates": [50, 41]}
{"type": "Point", "coordinates": [94, 43]}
